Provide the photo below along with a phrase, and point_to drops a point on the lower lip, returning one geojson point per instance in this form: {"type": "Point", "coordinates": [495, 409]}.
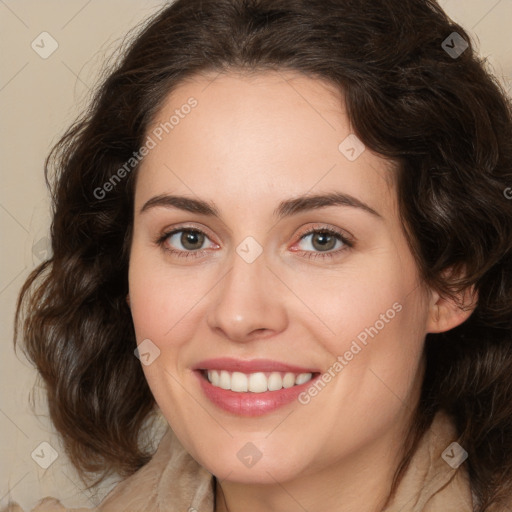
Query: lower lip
{"type": "Point", "coordinates": [250, 404]}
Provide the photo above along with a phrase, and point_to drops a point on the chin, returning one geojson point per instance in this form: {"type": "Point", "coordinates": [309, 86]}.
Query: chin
{"type": "Point", "coordinates": [266, 470]}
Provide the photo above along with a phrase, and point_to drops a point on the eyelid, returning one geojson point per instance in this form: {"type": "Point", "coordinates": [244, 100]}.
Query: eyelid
{"type": "Point", "coordinates": [161, 239]}
{"type": "Point", "coordinates": [346, 238]}
{"type": "Point", "coordinates": [167, 232]}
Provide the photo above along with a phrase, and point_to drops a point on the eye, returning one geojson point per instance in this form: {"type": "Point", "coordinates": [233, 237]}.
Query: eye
{"type": "Point", "coordinates": [184, 242]}
{"type": "Point", "coordinates": [326, 241]}
{"type": "Point", "coordinates": [320, 242]}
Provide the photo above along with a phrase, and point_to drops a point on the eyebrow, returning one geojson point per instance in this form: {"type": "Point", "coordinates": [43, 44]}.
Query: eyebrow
{"type": "Point", "coordinates": [286, 208]}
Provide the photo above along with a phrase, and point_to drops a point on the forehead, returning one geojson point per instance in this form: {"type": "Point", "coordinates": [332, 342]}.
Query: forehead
{"type": "Point", "coordinates": [253, 136]}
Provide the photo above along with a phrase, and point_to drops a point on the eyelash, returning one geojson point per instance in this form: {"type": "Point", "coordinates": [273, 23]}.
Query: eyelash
{"type": "Point", "coordinates": [347, 243]}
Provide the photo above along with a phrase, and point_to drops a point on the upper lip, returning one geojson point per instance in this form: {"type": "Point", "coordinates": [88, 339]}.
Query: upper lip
{"type": "Point", "coordinates": [250, 366]}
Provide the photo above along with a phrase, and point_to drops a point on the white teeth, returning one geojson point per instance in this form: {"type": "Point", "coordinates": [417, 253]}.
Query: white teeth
{"type": "Point", "coordinates": [214, 377]}
{"type": "Point", "coordinates": [256, 382]}
{"type": "Point", "coordinates": [239, 382]}
{"type": "Point", "coordinates": [289, 380]}
{"type": "Point", "coordinates": [302, 378]}
{"type": "Point", "coordinates": [275, 382]}
{"type": "Point", "coordinates": [224, 380]}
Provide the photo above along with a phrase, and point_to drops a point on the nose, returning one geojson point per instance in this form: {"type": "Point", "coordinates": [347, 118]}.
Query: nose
{"type": "Point", "coordinates": [247, 304]}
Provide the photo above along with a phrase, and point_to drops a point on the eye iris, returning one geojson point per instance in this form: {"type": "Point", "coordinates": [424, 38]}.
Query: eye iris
{"type": "Point", "coordinates": [191, 238]}
{"type": "Point", "coordinates": [326, 241]}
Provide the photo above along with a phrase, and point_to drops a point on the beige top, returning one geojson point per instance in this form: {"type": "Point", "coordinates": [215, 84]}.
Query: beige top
{"type": "Point", "coordinates": [173, 481]}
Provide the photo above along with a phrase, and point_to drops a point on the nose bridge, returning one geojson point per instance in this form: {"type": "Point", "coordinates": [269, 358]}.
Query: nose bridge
{"type": "Point", "coordinates": [245, 302]}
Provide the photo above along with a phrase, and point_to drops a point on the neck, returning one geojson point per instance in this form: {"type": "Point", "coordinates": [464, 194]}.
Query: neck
{"type": "Point", "coordinates": [360, 483]}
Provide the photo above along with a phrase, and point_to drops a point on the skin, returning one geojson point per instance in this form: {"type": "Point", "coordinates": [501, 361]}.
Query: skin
{"type": "Point", "coordinates": [252, 142]}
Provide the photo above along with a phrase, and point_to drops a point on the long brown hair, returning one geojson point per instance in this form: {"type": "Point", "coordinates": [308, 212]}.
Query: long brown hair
{"type": "Point", "coordinates": [439, 115]}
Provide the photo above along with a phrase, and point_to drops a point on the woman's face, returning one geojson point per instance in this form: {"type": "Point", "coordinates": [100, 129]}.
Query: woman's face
{"type": "Point", "coordinates": [252, 287]}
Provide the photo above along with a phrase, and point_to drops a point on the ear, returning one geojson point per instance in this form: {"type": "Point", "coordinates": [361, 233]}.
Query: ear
{"type": "Point", "coordinates": [445, 313]}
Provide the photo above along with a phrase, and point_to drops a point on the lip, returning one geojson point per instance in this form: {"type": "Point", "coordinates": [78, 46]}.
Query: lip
{"type": "Point", "coordinates": [250, 404]}
{"type": "Point", "coordinates": [250, 366]}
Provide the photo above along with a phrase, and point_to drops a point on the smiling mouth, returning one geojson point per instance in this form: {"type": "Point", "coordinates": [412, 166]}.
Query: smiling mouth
{"type": "Point", "coordinates": [259, 382]}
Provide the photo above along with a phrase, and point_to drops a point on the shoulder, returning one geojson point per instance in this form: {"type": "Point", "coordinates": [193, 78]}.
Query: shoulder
{"type": "Point", "coordinates": [45, 505]}
{"type": "Point", "coordinates": [172, 480]}
{"type": "Point", "coordinates": [436, 477]}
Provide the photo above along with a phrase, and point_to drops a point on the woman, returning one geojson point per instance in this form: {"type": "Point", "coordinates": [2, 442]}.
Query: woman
{"type": "Point", "coordinates": [295, 214]}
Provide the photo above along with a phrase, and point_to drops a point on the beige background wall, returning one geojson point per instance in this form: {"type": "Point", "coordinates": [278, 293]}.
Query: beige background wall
{"type": "Point", "coordinates": [39, 97]}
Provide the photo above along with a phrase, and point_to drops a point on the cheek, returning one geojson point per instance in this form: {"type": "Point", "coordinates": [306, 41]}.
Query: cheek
{"type": "Point", "coordinates": [161, 301]}
{"type": "Point", "coordinates": [376, 316]}
{"type": "Point", "coordinates": [161, 304]}
{"type": "Point", "coordinates": [370, 293]}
